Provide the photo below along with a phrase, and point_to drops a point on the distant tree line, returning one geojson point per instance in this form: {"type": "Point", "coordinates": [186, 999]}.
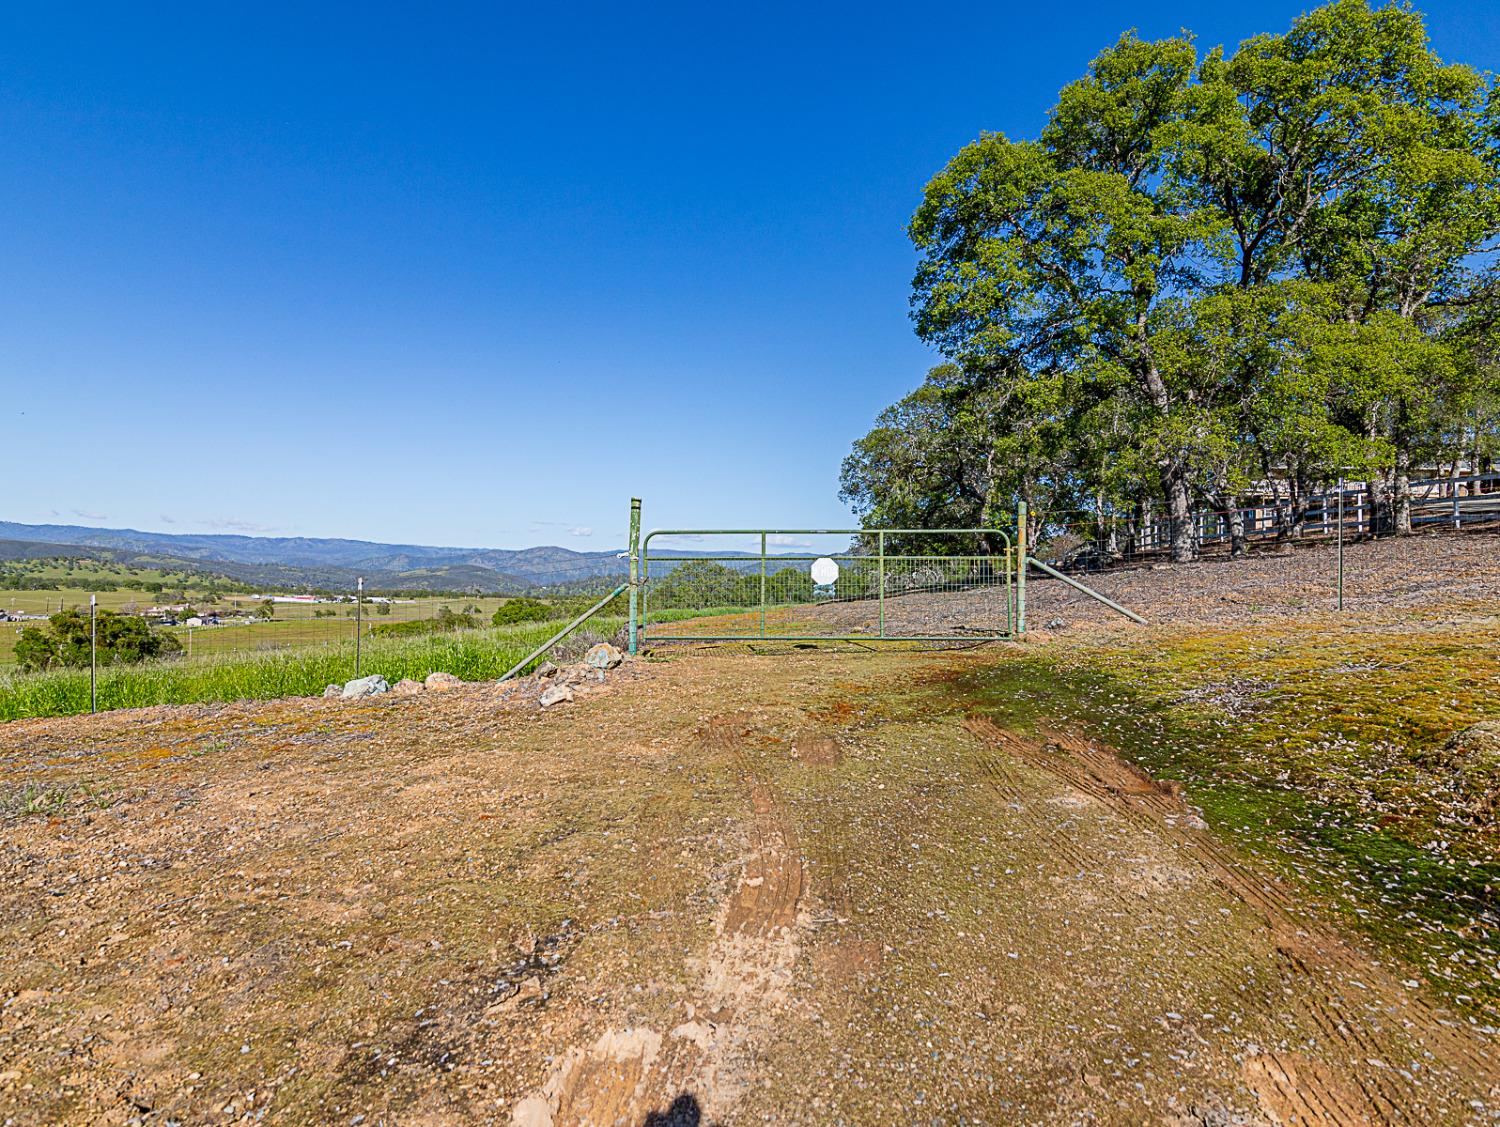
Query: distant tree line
{"type": "Point", "coordinates": [1208, 277]}
{"type": "Point", "coordinates": [708, 583]}
{"type": "Point", "coordinates": [87, 574]}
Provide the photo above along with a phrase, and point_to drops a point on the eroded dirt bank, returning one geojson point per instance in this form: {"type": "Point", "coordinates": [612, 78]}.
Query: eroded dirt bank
{"type": "Point", "coordinates": [798, 888]}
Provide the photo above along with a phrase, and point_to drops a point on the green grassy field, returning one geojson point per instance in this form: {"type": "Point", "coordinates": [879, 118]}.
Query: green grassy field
{"type": "Point", "coordinates": [473, 655]}
{"type": "Point", "coordinates": [129, 589]}
{"type": "Point", "coordinates": [239, 674]}
{"type": "Point", "coordinates": [294, 653]}
{"type": "Point", "coordinates": [293, 625]}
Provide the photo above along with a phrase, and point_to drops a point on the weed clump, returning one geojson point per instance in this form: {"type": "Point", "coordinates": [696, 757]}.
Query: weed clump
{"type": "Point", "coordinates": [522, 609]}
{"type": "Point", "coordinates": [51, 800]}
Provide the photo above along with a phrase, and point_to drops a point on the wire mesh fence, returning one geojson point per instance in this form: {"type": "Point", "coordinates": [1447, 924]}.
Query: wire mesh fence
{"type": "Point", "coordinates": [929, 585]}
{"type": "Point", "coordinates": [1104, 538]}
{"type": "Point", "coordinates": [1330, 551]}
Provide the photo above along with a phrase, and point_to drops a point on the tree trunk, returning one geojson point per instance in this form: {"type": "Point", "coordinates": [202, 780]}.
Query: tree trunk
{"type": "Point", "coordinates": [1106, 531]}
{"type": "Point", "coordinates": [1179, 512]}
{"type": "Point", "coordinates": [1174, 471]}
{"type": "Point", "coordinates": [1401, 492]}
{"type": "Point", "coordinates": [1297, 494]}
{"type": "Point", "coordinates": [1476, 466]}
{"type": "Point", "coordinates": [1234, 516]}
{"type": "Point", "coordinates": [1033, 527]}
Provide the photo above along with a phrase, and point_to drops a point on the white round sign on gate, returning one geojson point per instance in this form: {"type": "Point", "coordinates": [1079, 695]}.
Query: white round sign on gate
{"type": "Point", "coordinates": [825, 572]}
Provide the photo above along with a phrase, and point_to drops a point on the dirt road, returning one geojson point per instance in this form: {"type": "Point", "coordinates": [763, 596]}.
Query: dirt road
{"type": "Point", "coordinates": [808, 888]}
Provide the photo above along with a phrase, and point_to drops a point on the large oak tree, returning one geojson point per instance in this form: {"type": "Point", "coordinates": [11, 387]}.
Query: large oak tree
{"type": "Point", "coordinates": [1202, 275]}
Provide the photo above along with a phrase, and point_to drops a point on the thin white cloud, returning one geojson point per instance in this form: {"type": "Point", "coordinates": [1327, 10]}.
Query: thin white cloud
{"type": "Point", "coordinates": [168, 520]}
{"type": "Point", "coordinates": [684, 543]}
{"type": "Point", "coordinates": [780, 540]}
{"type": "Point", "coordinates": [581, 530]}
{"type": "Point", "coordinates": [86, 515]}
{"type": "Point", "coordinates": [234, 524]}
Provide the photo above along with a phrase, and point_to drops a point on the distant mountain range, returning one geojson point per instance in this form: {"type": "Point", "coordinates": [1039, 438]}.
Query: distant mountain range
{"type": "Point", "coordinates": [300, 561]}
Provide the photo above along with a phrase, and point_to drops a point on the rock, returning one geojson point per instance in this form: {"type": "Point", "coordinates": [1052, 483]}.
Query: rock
{"type": "Point", "coordinates": [333, 691]}
{"type": "Point", "coordinates": [603, 656]}
{"type": "Point", "coordinates": [1056, 624]}
{"type": "Point", "coordinates": [573, 674]}
{"type": "Point", "coordinates": [533, 1111]}
{"type": "Point", "coordinates": [362, 687]}
{"type": "Point", "coordinates": [530, 992]}
{"type": "Point", "coordinates": [545, 670]}
{"type": "Point", "coordinates": [406, 687]}
{"type": "Point", "coordinates": [555, 694]}
{"type": "Point", "coordinates": [441, 682]}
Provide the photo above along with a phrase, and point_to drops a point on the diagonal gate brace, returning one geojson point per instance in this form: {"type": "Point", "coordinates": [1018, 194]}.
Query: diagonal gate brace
{"type": "Point", "coordinates": [1089, 591]}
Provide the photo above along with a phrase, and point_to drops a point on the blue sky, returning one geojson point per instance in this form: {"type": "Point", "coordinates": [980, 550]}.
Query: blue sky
{"type": "Point", "coordinates": [476, 274]}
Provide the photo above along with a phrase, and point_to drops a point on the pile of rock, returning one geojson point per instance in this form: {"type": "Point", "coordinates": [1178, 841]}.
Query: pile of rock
{"type": "Point", "coordinates": [556, 685]}
{"type": "Point", "coordinates": [549, 685]}
{"type": "Point", "coordinates": [375, 685]}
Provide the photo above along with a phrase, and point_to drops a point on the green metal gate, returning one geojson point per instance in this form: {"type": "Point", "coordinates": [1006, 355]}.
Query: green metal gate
{"type": "Point", "coordinates": [915, 585]}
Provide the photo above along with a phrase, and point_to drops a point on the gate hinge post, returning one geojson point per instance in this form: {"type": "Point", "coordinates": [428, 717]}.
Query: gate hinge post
{"type": "Point", "coordinates": [1021, 549]}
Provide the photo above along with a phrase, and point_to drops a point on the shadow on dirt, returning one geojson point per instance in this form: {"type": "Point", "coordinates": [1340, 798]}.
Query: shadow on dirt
{"type": "Point", "coordinates": [684, 1112]}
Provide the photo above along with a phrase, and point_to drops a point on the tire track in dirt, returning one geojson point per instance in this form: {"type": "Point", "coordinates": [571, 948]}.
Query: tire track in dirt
{"type": "Point", "coordinates": [771, 884]}
{"type": "Point", "coordinates": [1292, 1088]}
{"type": "Point", "coordinates": [1146, 801]}
{"type": "Point", "coordinates": [1011, 789]}
{"type": "Point", "coordinates": [743, 980]}
{"type": "Point", "coordinates": [1295, 1089]}
{"type": "Point", "coordinates": [840, 960]}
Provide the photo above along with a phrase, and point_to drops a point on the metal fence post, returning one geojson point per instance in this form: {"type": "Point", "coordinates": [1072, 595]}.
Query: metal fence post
{"type": "Point", "coordinates": [359, 602]}
{"type": "Point", "coordinates": [1021, 549]}
{"type": "Point", "coordinates": [762, 584]}
{"type": "Point", "coordinates": [635, 574]}
{"type": "Point", "coordinates": [93, 653]}
{"type": "Point", "coordinates": [1341, 542]}
{"type": "Point", "coordinates": [880, 553]}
